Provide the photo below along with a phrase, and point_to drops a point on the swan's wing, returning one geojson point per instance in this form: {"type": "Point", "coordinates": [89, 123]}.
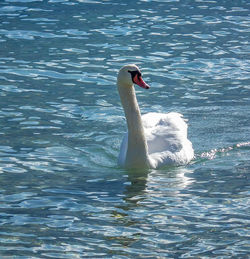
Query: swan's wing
{"type": "Point", "coordinates": [166, 136]}
{"type": "Point", "coordinates": [164, 131]}
{"type": "Point", "coordinates": [123, 150]}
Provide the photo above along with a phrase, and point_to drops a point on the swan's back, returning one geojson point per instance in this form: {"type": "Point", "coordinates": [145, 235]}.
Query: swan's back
{"type": "Point", "coordinates": [166, 136]}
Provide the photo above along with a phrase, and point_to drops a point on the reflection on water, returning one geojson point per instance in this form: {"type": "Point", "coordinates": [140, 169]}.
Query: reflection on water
{"type": "Point", "coordinates": [62, 194]}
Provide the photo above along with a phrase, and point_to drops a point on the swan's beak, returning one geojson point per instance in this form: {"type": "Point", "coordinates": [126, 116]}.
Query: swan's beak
{"type": "Point", "coordinates": [139, 81]}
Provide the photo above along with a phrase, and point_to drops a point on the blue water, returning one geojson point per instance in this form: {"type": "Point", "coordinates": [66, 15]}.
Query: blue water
{"type": "Point", "coordinates": [62, 194]}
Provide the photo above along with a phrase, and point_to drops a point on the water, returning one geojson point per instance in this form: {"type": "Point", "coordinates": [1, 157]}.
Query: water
{"type": "Point", "coordinates": [62, 194]}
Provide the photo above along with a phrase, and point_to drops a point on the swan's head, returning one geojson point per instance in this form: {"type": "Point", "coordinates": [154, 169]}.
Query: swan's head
{"type": "Point", "coordinates": [129, 75]}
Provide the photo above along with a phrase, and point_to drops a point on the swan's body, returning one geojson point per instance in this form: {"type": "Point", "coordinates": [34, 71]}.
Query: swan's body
{"type": "Point", "coordinates": [154, 139]}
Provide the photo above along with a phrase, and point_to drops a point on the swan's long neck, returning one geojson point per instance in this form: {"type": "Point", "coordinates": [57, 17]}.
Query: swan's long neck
{"type": "Point", "coordinates": [137, 152]}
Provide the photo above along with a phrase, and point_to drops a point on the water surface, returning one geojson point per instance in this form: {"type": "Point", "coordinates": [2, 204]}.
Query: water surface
{"type": "Point", "coordinates": [62, 194]}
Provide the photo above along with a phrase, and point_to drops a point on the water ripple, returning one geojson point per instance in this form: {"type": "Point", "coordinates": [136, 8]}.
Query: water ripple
{"type": "Point", "coordinates": [62, 194]}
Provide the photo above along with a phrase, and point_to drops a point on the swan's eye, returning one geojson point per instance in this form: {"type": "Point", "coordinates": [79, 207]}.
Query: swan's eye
{"type": "Point", "coordinates": [134, 73]}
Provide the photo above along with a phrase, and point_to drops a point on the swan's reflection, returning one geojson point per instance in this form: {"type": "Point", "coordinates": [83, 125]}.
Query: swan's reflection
{"type": "Point", "coordinates": [146, 192]}
{"type": "Point", "coordinates": [135, 190]}
{"type": "Point", "coordinates": [148, 184]}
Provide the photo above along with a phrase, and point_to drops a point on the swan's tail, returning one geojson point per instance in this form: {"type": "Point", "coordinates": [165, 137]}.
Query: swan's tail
{"type": "Point", "coordinates": [216, 152]}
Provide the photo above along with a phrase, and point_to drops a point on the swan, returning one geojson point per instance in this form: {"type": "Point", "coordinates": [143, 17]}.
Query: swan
{"type": "Point", "coordinates": [154, 139]}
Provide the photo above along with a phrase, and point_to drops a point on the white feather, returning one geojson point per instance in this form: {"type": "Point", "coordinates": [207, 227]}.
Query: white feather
{"type": "Point", "coordinates": [166, 136]}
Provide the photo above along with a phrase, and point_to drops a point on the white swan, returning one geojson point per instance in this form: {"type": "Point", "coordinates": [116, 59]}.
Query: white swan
{"type": "Point", "coordinates": [154, 139]}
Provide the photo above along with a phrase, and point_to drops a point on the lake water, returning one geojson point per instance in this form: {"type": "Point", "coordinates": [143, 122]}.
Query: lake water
{"type": "Point", "coordinates": [62, 194]}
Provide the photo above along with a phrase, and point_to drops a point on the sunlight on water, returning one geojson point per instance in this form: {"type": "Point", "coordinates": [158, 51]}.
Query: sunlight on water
{"type": "Point", "coordinates": [62, 194]}
{"type": "Point", "coordinates": [214, 152]}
